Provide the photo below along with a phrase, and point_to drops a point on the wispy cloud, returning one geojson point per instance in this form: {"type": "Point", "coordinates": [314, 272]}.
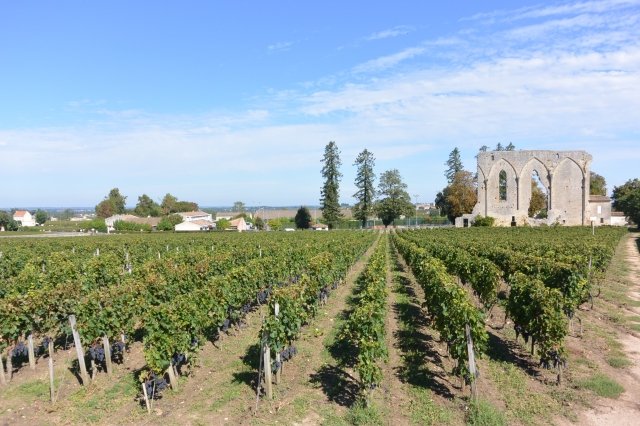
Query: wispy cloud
{"type": "Point", "coordinates": [389, 61]}
{"type": "Point", "coordinates": [534, 12]}
{"type": "Point", "coordinates": [280, 46]}
{"type": "Point", "coordinates": [390, 33]}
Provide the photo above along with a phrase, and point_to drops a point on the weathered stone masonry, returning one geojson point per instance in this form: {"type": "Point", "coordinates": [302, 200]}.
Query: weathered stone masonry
{"type": "Point", "coordinates": [564, 174]}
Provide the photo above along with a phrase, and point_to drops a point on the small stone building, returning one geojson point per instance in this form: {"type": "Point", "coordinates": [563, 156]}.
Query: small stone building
{"type": "Point", "coordinates": [504, 188]}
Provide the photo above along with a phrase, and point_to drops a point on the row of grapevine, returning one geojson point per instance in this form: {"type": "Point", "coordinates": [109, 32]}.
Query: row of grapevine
{"type": "Point", "coordinates": [293, 306]}
{"type": "Point", "coordinates": [450, 308]}
{"type": "Point", "coordinates": [537, 314]}
{"type": "Point", "coordinates": [365, 328]}
{"type": "Point", "coordinates": [482, 274]}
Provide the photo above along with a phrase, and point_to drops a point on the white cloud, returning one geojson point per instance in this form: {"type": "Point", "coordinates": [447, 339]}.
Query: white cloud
{"type": "Point", "coordinates": [389, 61]}
{"type": "Point", "coordinates": [534, 12]}
{"type": "Point", "coordinates": [389, 33]}
{"type": "Point", "coordinates": [280, 46]}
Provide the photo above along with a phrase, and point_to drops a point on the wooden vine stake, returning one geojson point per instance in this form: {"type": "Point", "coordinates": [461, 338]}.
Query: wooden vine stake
{"type": "Point", "coordinates": [2, 378]}
{"type": "Point", "coordinates": [266, 353]}
{"type": "Point", "coordinates": [173, 381]}
{"type": "Point", "coordinates": [51, 382]}
{"type": "Point", "coordinates": [278, 360]}
{"type": "Point", "coordinates": [146, 398]}
{"type": "Point", "coordinates": [107, 354]}
{"type": "Point", "coordinates": [9, 363]}
{"type": "Point", "coordinates": [472, 362]}
{"type": "Point", "coordinates": [79, 351]}
{"type": "Point", "coordinates": [124, 347]}
{"type": "Point", "coordinates": [32, 356]}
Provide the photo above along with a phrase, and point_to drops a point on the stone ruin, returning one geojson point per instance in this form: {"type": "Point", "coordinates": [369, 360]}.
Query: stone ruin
{"type": "Point", "coordinates": [504, 188]}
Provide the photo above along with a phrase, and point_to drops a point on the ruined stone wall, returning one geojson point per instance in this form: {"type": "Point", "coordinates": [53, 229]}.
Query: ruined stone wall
{"type": "Point", "coordinates": [564, 174]}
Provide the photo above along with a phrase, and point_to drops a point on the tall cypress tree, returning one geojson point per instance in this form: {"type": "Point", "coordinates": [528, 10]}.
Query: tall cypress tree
{"type": "Point", "coordinates": [329, 194]}
{"type": "Point", "coordinates": [454, 164]}
{"type": "Point", "coordinates": [365, 183]}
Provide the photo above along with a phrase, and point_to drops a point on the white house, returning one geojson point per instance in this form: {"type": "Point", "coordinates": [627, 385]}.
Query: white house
{"type": "Point", "coordinates": [195, 225]}
{"type": "Point", "coordinates": [24, 218]}
{"type": "Point", "coordinates": [618, 219]}
{"type": "Point", "coordinates": [199, 215]}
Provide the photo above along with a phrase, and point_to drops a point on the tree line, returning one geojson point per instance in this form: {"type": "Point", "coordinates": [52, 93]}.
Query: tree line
{"type": "Point", "coordinates": [115, 203]}
{"type": "Point", "coordinates": [388, 201]}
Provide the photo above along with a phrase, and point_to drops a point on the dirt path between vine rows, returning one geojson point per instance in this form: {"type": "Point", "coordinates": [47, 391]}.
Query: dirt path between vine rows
{"type": "Point", "coordinates": [626, 409]}
{"type": "Point", "coordinates": [395, 392]}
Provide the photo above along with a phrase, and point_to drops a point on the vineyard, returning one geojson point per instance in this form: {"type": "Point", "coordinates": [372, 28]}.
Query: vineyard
{"type": "Point", "coordinates": [301, 324]}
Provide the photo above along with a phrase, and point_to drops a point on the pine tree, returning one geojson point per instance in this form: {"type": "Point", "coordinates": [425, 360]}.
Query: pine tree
{"type": "Point", "coordinates": [303, 218]}
{"type": "Point", "coordinates": [329, 194]}
{"type": "Point", "coordinates": [454, 164]}
{"type": "Point", "coordinates": [365, 183]}
{"type": "Point", "coordinates": [510, 147]}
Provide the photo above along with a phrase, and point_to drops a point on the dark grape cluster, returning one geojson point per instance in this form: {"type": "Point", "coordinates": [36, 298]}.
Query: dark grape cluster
{"type": "Point", "coordinates": [20, 350]}
{"type": "Point", "coordinates": [246, 308]}
{"type": "Point", "coordinates": [553, 359]}
{"type": "Point", "coordinates": [96, 353]}
{"type": "Point", "coordinates": [225, 325]}
{"type": "Point", "coordinates": [334, 285]}
{"type": "Point", "coordinates": [323, 294]}
{"type": "Point", "coordinates": [44, 346]}
{"type": "Point", "coordinates": [288, 353]}
{"type": "Point", "coordinates": [521, 331]}
{"type": "Point", "coordinates": [178, 359]}
{"type": "Point", "coordinates": [117, 351]}
{"type": "Point", "coordinates": [155, 385]}
{"type": "Point", "coordinates": [263, 295]}
{"type": "Point", "coordinates": [285, 355]}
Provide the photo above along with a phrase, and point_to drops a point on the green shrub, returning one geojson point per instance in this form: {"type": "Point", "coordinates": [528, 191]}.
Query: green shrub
{"type": "Point", "coordinates": [484, 221]}
{"type": "Point", "coordinates": [121, 225]}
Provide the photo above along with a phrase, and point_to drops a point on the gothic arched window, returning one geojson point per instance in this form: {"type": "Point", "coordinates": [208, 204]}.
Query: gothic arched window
{"type": "Point", "coordinates": [502, 185]}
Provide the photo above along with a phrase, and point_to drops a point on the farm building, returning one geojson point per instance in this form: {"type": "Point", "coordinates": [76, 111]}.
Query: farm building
{"type": "Point", "coordinates": [193, 216]}
{"type": "Point", "coordinates": [24, 218]}
{"type": "Point", "coordinates": [195, 225]}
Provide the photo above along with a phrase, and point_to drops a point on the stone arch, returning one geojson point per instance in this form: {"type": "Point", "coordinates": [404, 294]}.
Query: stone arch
{"type": "Point", "coordinates": [493, 187]}
{"type": "Point", "coordinates": [568, 176]}
{"type": "Point", "coordinates": [532, 165]}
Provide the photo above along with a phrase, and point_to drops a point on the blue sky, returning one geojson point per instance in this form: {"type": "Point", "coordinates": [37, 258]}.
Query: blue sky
{"type": "Point", "coordinates": [223, 101]}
